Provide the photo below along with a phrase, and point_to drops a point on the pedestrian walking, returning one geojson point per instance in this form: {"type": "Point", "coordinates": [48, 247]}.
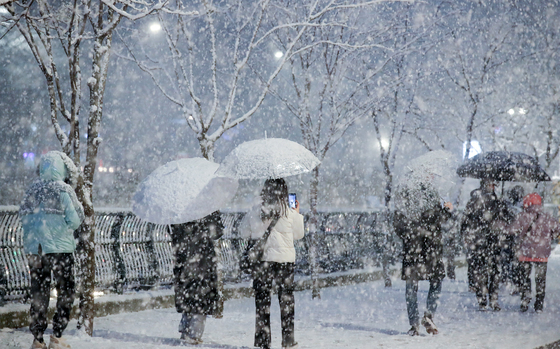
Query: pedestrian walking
{"type": "Point", "coordinates": [278, 261]}
{"type": "Point", "coordinates": [535, 230]}
{"type": "Point", "coordinates": [49, 213]}
{"type": "Point", "coordinates": [418, 222]}
{"type": "Point", "coordinates": [509, 263]}
{"type": "Point", "coordinates": [196, 274]}
{"type": "Point", "coordinates": [482, 229]}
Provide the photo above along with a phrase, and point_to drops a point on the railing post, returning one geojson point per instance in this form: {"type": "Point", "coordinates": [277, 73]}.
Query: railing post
{"type": "Point", "coordinates": [120, 269]}
{"type": "Point", "coordinates": [153, 262]}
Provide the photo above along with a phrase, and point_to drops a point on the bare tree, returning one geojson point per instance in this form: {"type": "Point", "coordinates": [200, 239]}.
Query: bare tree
{"type": "Point", "coordinates": [323, 86]}
{"type": "Point", "coordinates": [218, 67]}
{"type": "Point", "coordinates": [66, 37]}
{"type": "Point", "coordinates": [476, 62]}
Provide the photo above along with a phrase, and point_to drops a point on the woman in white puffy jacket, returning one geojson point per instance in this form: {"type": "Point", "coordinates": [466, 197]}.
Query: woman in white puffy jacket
{"type": "Point", "coordinates": [278, 260]}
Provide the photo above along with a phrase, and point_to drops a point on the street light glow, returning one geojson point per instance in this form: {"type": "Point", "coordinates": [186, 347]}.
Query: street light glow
{"type": "Point", "coordinates": [278, 54]}
{"type": "Point", "coordinates": [155, 27]}
{"type": "Point", "coordinates": [511, 112]}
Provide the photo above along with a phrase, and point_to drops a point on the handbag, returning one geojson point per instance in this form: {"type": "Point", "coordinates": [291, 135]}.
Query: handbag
{"type": "Point", "coordinates": [250, 262]}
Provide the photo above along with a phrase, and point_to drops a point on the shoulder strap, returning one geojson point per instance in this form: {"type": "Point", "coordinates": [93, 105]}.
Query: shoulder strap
{"type": "Point", "coordinates": [272, 224]}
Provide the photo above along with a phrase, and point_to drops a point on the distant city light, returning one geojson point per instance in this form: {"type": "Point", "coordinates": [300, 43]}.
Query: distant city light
{"type": "Point", "coordinates": [278, 54]}
{"type": "Point", "coordinates": [155, 27]}
{"type": "Point", "coordinates": [474, 149]}
{"type": "Point", "coordinates": [521, 111]}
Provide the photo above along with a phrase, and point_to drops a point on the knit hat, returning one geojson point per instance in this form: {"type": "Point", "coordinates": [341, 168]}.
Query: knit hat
{"type": "Point", "coordinates": [532, 199]}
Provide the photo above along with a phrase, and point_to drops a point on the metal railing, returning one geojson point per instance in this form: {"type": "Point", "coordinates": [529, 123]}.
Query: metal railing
{"type": "Point", "coordinates": [134, 254]}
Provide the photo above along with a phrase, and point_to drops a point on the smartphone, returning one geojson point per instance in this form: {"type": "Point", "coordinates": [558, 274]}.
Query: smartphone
{"type": "Point", "coordinates": [292, 200]}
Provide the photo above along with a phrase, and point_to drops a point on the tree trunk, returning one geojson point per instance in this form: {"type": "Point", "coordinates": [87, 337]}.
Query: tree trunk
{"type": "Point", "coordinates": [312, 236]}
{"type": "Point", "coordinates": [86, 261]}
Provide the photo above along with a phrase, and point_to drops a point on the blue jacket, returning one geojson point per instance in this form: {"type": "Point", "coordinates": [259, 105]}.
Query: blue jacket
{"type": "Point", "coordinates": [50, 211]}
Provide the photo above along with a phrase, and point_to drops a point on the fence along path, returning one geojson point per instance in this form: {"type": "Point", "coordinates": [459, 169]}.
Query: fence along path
{"type": "Point", "coordinates": [134, 254]}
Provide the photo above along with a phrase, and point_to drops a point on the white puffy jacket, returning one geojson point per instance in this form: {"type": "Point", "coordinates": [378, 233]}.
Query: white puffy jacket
{"type": "Point", "coordinates": [280, 244]}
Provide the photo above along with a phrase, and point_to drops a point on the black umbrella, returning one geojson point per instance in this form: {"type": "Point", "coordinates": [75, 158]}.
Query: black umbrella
{"type": "Point", "coordinates": [503, 166]}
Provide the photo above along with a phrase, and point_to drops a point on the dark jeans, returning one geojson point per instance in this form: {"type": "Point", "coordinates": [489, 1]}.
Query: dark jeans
{"type": "Point", "coordinates": [486, 264]}
{"type": "Point", "coordinates": [60, 264]}
{"type": "Point", "coordinates": [412, 300]}
{"type": "Point", "coordinates": [540, 282]}
{"type": "Point", "coordinates": [510, 265]}
{"type": "Point", "coordinates": [281, 274]}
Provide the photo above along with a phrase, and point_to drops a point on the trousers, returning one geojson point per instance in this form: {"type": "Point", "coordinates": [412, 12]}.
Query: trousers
{"type": "Point", "coordinates": [412, 300]}
{"type": "Point", "coordinates": [41, 267]}
{"type": "Point", "coordinates": [282, 275]}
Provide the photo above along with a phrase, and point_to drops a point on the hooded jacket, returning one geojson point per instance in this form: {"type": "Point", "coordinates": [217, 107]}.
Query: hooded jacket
{"type": "Point", "coordinates": [535, 230]}
{"type": "Point", "coordinates": [279, 246]}
{"type": "Point", "coordinates": [50, 211]}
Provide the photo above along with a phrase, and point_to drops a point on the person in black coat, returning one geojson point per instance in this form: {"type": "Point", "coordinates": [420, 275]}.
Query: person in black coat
{"type": "Point", "coordinates": [196, 273]}
{"type": "Point", "coordinates": [421, 233]}
{"type": "Point", "coordinates": [485, 218]}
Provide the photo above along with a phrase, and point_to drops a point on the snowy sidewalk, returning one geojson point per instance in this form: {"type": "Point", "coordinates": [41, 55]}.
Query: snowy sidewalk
{"type": "Point", "coordinates": [366, 315]}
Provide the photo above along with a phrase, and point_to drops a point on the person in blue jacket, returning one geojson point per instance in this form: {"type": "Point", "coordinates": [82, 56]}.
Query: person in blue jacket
{"type": "Point", "coordinates": [49, 213]}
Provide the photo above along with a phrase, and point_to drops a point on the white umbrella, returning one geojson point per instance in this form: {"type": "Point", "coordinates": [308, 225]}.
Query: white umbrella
{"type": "Point", "coordinates": [181, 191]}
{"type": "Point", "coordinates": [268, 158]}
{"type": "Point", "coordinates": [427, 179]}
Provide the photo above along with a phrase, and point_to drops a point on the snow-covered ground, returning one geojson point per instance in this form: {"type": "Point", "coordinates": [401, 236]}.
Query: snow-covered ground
{"type": "Point", "coordinates": [360, 316]}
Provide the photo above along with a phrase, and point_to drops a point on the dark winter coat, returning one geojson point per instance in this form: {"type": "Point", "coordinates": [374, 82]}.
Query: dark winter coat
{"type": "Point", "coordinates": [422, 243]}
{"type": "Point", "coordinates": [535, 230]}
{"type": "Point", "coordinates": [196, 265]}
{"type": "Point", "coordinates": [485, 219]}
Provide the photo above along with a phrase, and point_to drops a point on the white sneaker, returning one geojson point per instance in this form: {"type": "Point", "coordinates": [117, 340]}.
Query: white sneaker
{"type": "Point", "coordinates": [185, 338]}
{"type": "Point", "coordinates": [58, 343]}
{"type": "Point", "coordinates": [38, 345]}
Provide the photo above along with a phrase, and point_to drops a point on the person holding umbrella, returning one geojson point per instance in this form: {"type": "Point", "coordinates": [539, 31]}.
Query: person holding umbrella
{"type": "Point", "coordinates": [418, 222]}
{"type": "Point", "coordinates": [186, 195]}
{"type": "Point", "coordinates": [278, 261]}
{"type": "Point", "coordinates": [484, 218]}
{"type": "Point", "coordinates": [535, 230]}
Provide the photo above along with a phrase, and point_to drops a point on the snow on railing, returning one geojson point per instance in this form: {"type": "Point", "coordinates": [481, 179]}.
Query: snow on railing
{"type": "Point", "coordinates": [134, 254]}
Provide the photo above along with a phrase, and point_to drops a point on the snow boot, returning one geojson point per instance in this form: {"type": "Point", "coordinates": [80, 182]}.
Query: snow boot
{"type": "Point", "coordinates": [539, 301]}
{"type": "Point", "coordinates": [189, 340]}
{"type": "Point", "coordinates": [413, 331]}
{"type": "Point", "coordinates": [58, 343]}
{"type": "Point", "coordinates": [428, 322]}
{"type": "Point", "coordinates": [525, 303]}
{"type": "Point", "coordinates": [495, 306]}
{"type": "Point", "coordinates": [38, 345]}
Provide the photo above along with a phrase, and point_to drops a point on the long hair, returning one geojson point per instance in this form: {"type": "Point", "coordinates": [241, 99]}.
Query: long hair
{"type": "Point", "coordinates": [274, 196]}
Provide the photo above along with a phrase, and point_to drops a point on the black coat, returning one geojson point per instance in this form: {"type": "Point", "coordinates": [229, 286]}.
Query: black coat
{"type": "Point", "coordinates": [196, 265]}
{"type": "Point", "coordinates": [422, 243]}
{"type": "Point", "coordinates": [484, 220]}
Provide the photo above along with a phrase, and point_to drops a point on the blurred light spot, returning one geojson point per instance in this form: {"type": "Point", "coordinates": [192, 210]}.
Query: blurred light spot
{"type": "Point", "coordinates": [278, 54]}
{"type": "Point", "coordinates": [511, 112]}
{"type": "Point", "coordinates": [155, 27]}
